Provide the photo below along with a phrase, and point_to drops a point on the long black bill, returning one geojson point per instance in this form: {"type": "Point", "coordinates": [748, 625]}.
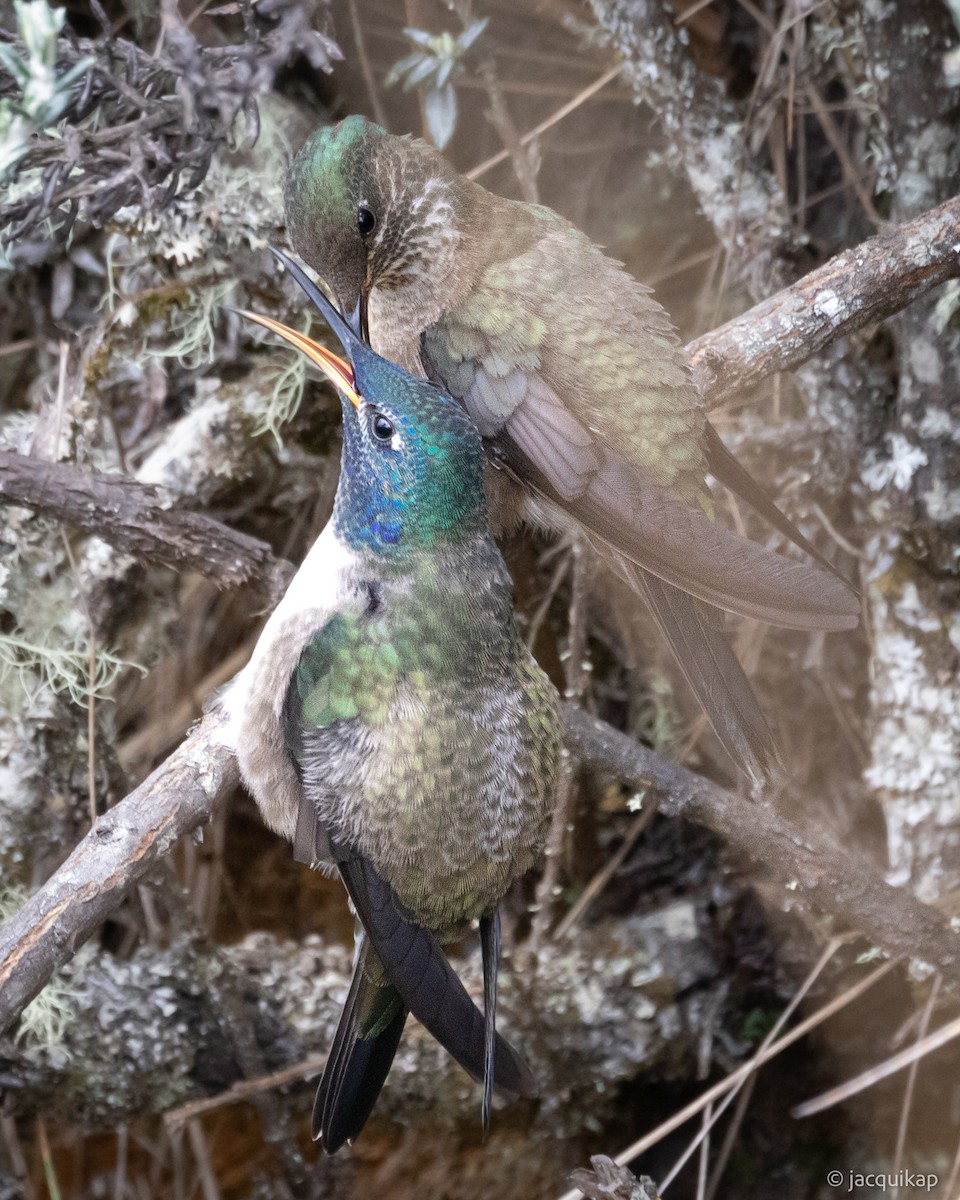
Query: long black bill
{"type": "Point", "coordinates": [346, 336]}
{"type": "Point", "coordinates": [359, 322]}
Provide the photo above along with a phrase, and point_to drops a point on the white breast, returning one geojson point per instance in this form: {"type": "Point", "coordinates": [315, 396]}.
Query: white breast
{"type": "Point", "coordinates": [254, 702]}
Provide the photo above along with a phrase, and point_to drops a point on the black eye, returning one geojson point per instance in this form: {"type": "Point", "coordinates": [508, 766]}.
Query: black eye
{"type": "Point", "coordinates": [381, 428]}
{"type": "Point", "coordinates": [366, 221]}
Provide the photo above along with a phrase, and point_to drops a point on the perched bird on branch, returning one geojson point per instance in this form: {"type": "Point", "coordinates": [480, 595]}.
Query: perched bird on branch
{"type": "Point", "coordinates": [392, 724]}
{"type": "Point", "coordinates": [576, 380]}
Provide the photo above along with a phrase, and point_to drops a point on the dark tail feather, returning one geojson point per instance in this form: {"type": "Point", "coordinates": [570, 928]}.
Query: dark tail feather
{"type": "Point", "coordinates": [363, 1049]}
{"type": "Point", "coordinates": [724, 467]}
{"type": "Point", "coordinates": [428, 985]}
{"type": "Point", "coordinates": [490, 947]}
{"type": "Point", "coordinates": [712, 669]}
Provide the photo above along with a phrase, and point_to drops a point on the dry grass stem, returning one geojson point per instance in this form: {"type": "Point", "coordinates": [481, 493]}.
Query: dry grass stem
{"type": "Point", "coordinates": [921, 1048]}
{"type": "Point", "coordinates": [581, 98]}
{"type": "Point", "coordinates": [734, 1078]}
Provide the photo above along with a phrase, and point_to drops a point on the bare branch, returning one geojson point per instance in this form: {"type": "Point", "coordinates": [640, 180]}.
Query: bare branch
{"type": "Point", "coordinates": [139, 519]}
{"type": "Point", "coordinates": [872, 281]}
{"type": "Point", "coordinates": [122, 846]}
{"type": "Point", "coordinates": [565, 109]}
{"type": "Point", "coordinates": [919, 1049]}
{"type": "Point", "coordinates": [182, 792]}
{"type": "Point", "coordinates": [830, 879]}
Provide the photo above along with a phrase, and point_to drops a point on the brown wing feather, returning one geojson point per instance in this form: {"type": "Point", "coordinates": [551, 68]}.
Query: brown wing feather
{"type": "Point", "coordinates": [727, 470]}
{"type": "Point", "coordinates": [668, 537]}
{"type": "Point", "coordinates": [711, 668]}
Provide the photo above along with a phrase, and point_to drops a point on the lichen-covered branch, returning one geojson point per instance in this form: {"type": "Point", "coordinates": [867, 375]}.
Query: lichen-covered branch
{"type": "Point", "coordinates": [143, 1035]}
{"type": "Point", "coordinates": [857, 288]}
{"type": "Point", "coordinates": [138, 519]}
{"type": "Point", "coordinates": [910, 475]}
{"type": "Point", "coordinates": [161, 116]}
{"type": "Point", "coordinates": [706, 130]}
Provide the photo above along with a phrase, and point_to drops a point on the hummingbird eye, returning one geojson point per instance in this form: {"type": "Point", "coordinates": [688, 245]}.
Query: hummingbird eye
{"type": "Point", "coordinates": [366, 221]}
{"type": "Point", "coordinates": [381, 427]}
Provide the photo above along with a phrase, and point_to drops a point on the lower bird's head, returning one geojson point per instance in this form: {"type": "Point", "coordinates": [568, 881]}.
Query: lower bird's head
{"type": "Point", "coordinates": [367, 209]}
{"type": "Point", "coordinates": [412, 467]}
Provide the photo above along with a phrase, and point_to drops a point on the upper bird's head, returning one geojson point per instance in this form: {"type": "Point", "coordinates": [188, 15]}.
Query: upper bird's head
{"type": "Point", "coordinates": [370, 210]}
{"type": "Point", "coordinates": [411, 473]}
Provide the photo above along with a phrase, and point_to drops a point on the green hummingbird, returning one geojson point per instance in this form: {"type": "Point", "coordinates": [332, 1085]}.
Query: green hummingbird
{"type": "Point", "coordinates": [392, 723]}
{"type": "Point", "coordinates": [577, 382]}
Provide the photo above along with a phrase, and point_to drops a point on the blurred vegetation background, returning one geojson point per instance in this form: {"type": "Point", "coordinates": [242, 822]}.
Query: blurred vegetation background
{"type": "Point", "coordinates": [721, 150]}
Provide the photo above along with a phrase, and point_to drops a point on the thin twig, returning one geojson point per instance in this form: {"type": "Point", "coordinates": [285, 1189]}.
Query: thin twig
{"type": "Point", "coordinates": [244, 1090]}
{"type": "Point", "coordinates": [49, 1167]}
{"type": "Point", "coordinates": [536, 621]}
{"type": "Point", "coordinates": [17, 347]}
{"type": "Point", "coordinates": [608, 870]}
{"type": "Point", "coordinates": [18, 1162]}
{"type": "Point", "coordinates": [833, 136]}
{"type": "Point", "coordinates": [163, 734]}
{"type": "Point", "coordinates": [911, 1084]}
{"type": "Point", "coordinates": [842, 542]}
{"type": "Point", "coordinates": [719, 1089]}
{"type": "Point", "coordinates": [499, 115]}
{"type": "Point", "coordinates": [373, 92]}
{"type": "Point", "coordinates": [730, 1137]}
{"type": "Point", "coordinates": [950, 1192]}
{"type": "Point", "coordinates": [120, 1174]}
{"type": "Point", "coordinates": [697, 6]}
{"type": "Point", "coordinates": [201, 1154]}
{"type": "Point", "coordinates": [576, 680]}
{"type": "Point", "coordinates": [704, 1154]}
{"type": "Point", "coordinates": [709, 1120]}
{"type": "Point", "coordinates": [91, 681]}
{"type": "Point", "coordinates": [920, 1049]}
{"type": "Point", "coordinates": [563, 111]}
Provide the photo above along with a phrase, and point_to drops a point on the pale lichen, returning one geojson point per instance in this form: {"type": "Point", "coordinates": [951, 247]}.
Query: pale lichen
{"type": "Point", "coordinates": [916, 745]}
{"type": "Point", "coordinates": [898, 468]}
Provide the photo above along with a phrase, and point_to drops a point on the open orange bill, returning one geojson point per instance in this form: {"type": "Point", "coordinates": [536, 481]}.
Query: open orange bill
{"type": "Point", "coordinates": [336, 370]}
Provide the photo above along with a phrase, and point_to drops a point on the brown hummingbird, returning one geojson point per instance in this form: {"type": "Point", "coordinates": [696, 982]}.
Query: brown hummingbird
{"type": "Point", "coordinates": [577, 382]}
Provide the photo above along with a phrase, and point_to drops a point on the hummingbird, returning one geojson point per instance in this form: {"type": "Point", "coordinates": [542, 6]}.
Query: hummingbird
{"type": "Point", "coordinates": [577, 382]}
{"type": "Point", "coordinates": [394, 726]}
